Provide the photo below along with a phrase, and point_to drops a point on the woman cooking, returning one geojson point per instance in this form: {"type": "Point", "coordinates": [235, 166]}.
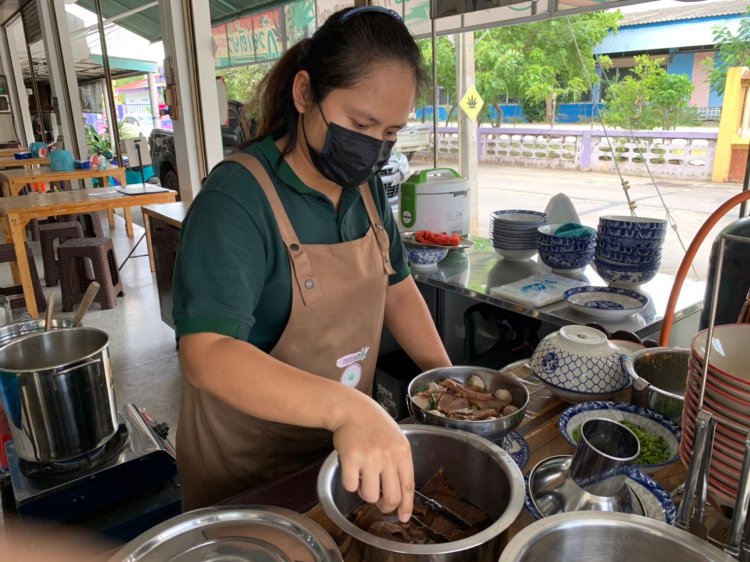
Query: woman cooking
{"type": "Point", "coordinates": [289, 264]}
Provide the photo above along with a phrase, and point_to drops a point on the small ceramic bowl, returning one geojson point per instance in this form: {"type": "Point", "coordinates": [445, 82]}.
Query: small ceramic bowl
{"type": "Point", "coordinates": [569, 260]}
{"type": "Point", "coordinates": [425, 257]}
{"type": "Point", "coordinates": [625, 275]}
{"type": "Point", "coordinates": [581, 359]}
{"type": "Point", "coordinates": [628, 258]}
{"type": "Point", "coordinates": [633, 233]}
{"type": "Point", "coordinates": [634, 223]}
{"type": "Point", "coordinates": [516, 254]}
{"type": "Point", "coordinates": [621, 244]}
{"type": "Point", "coordinates": [546, 236]}
{"type": "Point", "coordinates": [518, 218]}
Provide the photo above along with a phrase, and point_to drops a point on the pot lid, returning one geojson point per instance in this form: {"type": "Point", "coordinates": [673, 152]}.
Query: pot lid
{"type": "Point", "coordinates": [236, 534]}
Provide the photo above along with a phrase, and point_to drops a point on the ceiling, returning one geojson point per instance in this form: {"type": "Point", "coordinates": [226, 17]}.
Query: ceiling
{"type": "Point", "coordinates": [146, 23]}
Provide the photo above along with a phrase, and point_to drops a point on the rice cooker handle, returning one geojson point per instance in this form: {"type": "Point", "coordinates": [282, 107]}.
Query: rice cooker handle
{"type": "Point", "coordinates": [446, 173]}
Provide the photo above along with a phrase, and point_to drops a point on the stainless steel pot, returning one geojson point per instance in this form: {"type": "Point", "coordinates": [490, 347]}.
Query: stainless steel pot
{"type": "Point", "coordinates": [481, 472]}
{"type": "Point", "coordinates": [615, 537]}
{"type": "Point", "coordinates": [58, 393]}
{"type": "Point", "coordinates": [9, 332]}
{"type": "Point", "coordinates": [659, 376]}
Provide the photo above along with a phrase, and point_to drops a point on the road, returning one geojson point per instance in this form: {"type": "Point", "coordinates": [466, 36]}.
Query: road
{"type": "Point", "coordinates": [689, 201]}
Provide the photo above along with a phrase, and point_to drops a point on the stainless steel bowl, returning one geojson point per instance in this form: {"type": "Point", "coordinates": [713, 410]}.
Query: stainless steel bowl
{"type": "Point", "coordinates": [493, 380]}
{"type": "Point", "coordinates": [614, 537]}
{"type": "Point", "coordinates": [9, 332]}
{"type": "Point", "coordinates": [659, 376]}
{"type": "Point", "coordinates": [481, 472]}
{"type": "Point", "coordinates": [231, 533]}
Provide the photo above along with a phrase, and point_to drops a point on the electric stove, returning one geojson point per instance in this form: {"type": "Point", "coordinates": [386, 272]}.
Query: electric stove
{"type": "Point", "coordinates": [119, 490]}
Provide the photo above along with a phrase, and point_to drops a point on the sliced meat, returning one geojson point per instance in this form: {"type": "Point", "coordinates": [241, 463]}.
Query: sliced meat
{"type": "Point", "coordinates": [404, 532]}
{"type": "Point", "coordinates": [421, 401]}
{"type": "Point", "coordinates": [465, 391]}
{"type": "Point", "coordinates": [450, 403]}
{"type": "Point", "coordinates": [448, 529]}
{"type": "Point", "coordinates": [492, 403]}
{"type": "Point", "coordinates": [474, 415]}
{"type": "Point", "coordinates": [366, 515]}
{"type": "Point", "coordinates": [467, 512]}
{"type": "Point", "coordinates": [438, 485]}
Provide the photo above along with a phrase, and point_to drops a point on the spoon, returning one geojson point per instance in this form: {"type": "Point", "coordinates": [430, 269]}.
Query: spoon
{"type": "Point", "coordinates": [83, 308]}
{"type": "Point", "coordinates": [48, 315]}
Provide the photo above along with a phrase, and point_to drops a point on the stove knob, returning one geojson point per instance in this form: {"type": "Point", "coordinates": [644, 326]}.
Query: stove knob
{"type": "Point", "coordinates": [161, 429]}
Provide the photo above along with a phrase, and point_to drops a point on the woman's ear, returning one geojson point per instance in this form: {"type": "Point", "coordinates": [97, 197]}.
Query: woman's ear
{"type": "Point", "coordinates": [302, 92]}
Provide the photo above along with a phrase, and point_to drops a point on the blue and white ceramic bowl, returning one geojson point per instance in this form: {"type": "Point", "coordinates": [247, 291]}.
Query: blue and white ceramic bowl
{"type": "Point", "coordinates": [518, 218]}
{"type": "Point", "coordinates": [546, 235]}
{"type": "Point", "coordinates": [581, 359]}
{"type": "Point", "coordinates": [612, 256]}
{"type": "Point", "coordinates": [605, 302]}
{"type": "Point", "coordinates": [633, 223]}
{"type": "Point", "coordinates": [425, 257]}
{"type": "Point", "coordinates": [652, 422]}
{"type": "Point", "coordinates": [625, 275]}
{"type": "Point", "coordinates": [566, 260]}
{"type": "Point", "coordinates": [625, 248]}
{"type": "Point", "coordinates": [624, 232]}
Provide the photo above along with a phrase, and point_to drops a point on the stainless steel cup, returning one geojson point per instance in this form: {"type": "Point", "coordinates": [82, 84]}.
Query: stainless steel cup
{"type": "Point", "coordinates": [604, 453]}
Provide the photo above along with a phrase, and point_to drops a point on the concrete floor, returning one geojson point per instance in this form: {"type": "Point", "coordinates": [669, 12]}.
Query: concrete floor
{"type": "Point", "coordinates": [142, 347]}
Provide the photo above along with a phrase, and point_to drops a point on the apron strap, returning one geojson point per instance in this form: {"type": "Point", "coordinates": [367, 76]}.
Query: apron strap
{"type": "Point", "coordinates": [301, 267]}
{"type": "Point", "coordinates": [380, 234]}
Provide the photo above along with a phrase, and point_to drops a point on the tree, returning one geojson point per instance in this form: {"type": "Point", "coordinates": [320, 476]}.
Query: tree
{"type": "Point", "coordinates": [733, 50]}
{"type": "Point", "coordinates": [242, 81]}
{"type": "Point", "coordinates": [534, 62]}
{"type": "Point", "coordinates": [446, 71]}
{"type": "Point", "coordinates": [649, 98]}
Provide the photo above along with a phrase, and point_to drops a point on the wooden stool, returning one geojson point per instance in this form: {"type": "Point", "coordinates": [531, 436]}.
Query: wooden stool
{"type": "Point", "coordinates": [75, 255]}
{"type": "Point", "coordinates": [48, 234]}
{"type": "Point", "coordinates": [8, 254]}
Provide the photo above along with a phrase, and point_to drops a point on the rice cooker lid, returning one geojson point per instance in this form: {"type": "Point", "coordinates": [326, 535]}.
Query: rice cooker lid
{"type": "Point", "coordinates": [247, 533]}
{"type": "Point", "coordinates": [438, 181]}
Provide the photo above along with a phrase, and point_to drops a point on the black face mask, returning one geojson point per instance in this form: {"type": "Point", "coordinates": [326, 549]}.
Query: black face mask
{"type": "Point", "coordinates": [348, 158]}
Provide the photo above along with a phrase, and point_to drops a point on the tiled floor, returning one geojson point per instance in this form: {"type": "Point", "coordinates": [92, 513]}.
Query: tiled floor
{"type": "Point", "coordinates": [142, 347]}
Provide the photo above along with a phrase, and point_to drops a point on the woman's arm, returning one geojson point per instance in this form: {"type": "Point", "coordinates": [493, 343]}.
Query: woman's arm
{"type": "Point", "coordinates": [375, 455]}
{"type": "Point", "coordinates": [410, 322]}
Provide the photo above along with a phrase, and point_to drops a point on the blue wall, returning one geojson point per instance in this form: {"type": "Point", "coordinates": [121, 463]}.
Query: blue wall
{"type": "Point", "coordinates": [682, 63]}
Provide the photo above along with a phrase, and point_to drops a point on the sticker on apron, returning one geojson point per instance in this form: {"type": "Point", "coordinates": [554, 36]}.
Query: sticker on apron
{"type": "Point", "coordinates": [357, 357]}
{"type": "Point", "coordinates": [351, 375]}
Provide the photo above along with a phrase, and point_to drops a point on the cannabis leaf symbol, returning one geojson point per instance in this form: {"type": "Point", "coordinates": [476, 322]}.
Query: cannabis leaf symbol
{"type": "Point", "coordinates": [472, 102]}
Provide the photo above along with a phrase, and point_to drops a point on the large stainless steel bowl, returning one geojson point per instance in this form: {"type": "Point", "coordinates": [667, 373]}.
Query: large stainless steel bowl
{"type": "Point", "coordinates": [659, 376]}
{"type": "Point", "coordinates": [9, 332]}
{"type": "Point", "coordinates": [615, 537]}
{"type": "Point", "coordinates": [493, 430]}
{"type": "Point", "coordinates": [481, 472]}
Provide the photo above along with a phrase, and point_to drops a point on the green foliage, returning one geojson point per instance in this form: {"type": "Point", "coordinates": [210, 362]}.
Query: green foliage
{"type": "Point", "coordinates": [649, 98]}
{"type": "Point", "coordinates": [98, 144]}
{"type": "Point", "coordinates": [242, 81]}
{"type": "Point", "coordinates": [531, 62]}
{"type": "Point", "coordinates": [733, 50]}
{"type": "Point", "coordinates": [446, 69]}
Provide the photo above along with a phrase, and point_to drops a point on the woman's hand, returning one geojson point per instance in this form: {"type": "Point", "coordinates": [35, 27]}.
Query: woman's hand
{"type": "Point", "coordinates": [375, 458]}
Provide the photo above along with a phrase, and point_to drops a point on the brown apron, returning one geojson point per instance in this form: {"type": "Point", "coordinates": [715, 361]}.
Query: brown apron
{"type": "Point", "coordinates": [334, 328]}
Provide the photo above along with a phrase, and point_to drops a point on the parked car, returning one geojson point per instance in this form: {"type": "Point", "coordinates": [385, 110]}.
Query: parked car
{"type": "Point", "coordinates": [413, 138]}
{"type": "Point", "coordinates": [161, 145]}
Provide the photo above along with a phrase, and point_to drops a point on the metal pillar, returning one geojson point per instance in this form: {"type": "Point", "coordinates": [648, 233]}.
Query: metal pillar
{"type": "Point", "coordinates": [153, 98]}
{"type": "Point", "coordinates": [467, 129]}
{"type": "Point", "coordinates": [62, 74]}
{"type": "Point", "coordinates": [114, 130]}
{"type": "Point", "coordinates": [191, 85]}
{"type": "Point", "coordinates": [19, 100]}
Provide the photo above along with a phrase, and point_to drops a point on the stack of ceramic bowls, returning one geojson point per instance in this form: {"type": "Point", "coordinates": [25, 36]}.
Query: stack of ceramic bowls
{"type": "Point", "coordinates": [565, 253]}
{"type": "Point", "coordinates": [514, 232]}
{"type": "Point", "coordinates": [727, 397]}
{"type": "Point", "coordinates": [628, 249]}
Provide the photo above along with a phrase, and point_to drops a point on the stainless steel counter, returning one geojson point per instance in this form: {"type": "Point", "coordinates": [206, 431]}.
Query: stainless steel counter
{"type": "Point", "coordinates": [473, 272]}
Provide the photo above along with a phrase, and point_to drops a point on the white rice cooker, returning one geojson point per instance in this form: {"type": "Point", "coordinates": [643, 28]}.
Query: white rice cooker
{"type": "Point", "coordinates": [436, 200]}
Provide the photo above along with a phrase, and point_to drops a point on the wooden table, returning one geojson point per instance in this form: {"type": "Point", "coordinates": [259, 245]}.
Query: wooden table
{"type": "Point", "coordinates": [16, 212]}
{"type": "Point", "coordinates": [4, 152]}
{"type": "Point", "coordinates": [6, 163]}
{"type": "Point", "coordinates": [14, 180]}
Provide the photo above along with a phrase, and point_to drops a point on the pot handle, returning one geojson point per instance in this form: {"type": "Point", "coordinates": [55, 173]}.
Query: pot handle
{"type": "Point", "coordinates": [86, 363]}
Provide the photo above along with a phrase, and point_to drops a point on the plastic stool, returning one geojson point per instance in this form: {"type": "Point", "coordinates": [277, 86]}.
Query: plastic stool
{"type": "Point", "coordinates": [90, 222]}
{"type": "Point", "coordinates": [75, 255]}
{"type": "Point", "coordinates": [8, 254]}
{"type": "Point", "coordinates": [48, 234]}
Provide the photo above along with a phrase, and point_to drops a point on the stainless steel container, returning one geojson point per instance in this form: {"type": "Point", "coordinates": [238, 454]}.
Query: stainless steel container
{"type": "Point", "coordinates": [233, 534]}
{"type": "Point", "coordinates": [494, 429]}
{"type": "Point", "coordinates": [481, 472]}
{"type": "Point", "coordinates": [659, 376]}
{"type": "Point", "coordinates": [58, 393]}
{"type": "Point", "coordinates": [615, 537]}
{"type": "Point", "coordinates": [9, 332]}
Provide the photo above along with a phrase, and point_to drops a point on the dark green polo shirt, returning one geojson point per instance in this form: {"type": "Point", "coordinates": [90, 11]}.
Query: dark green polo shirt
{"type": "Point", "coordinates": [232, 274]}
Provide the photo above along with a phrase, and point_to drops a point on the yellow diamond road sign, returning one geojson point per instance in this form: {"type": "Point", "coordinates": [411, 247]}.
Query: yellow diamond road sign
{"type": "Point", "coordinates": [472, 103]}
